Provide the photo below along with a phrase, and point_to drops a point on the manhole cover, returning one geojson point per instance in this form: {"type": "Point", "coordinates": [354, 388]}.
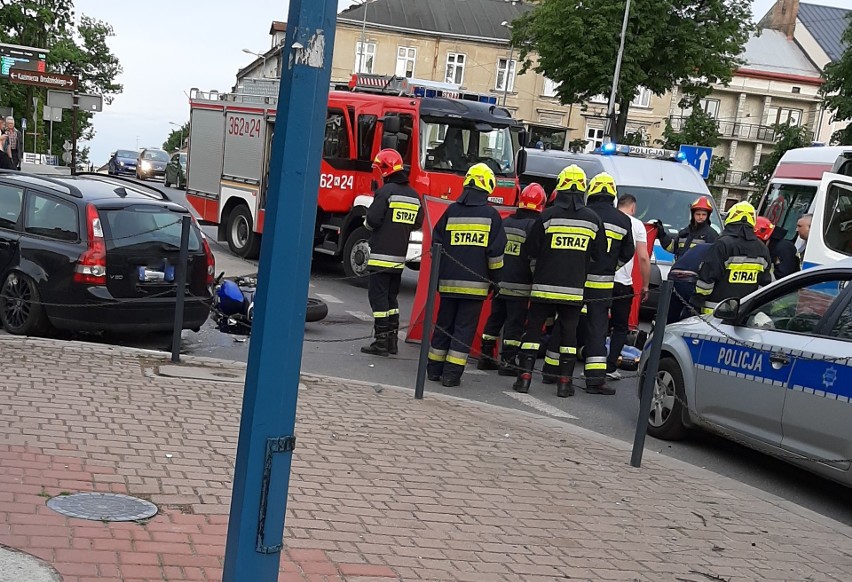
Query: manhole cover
{"type": "Point", "coordinates": [102, 506]}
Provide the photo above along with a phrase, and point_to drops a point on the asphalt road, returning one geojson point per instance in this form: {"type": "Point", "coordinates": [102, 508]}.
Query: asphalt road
{"type": "Point", "coordinates": [332, 347]}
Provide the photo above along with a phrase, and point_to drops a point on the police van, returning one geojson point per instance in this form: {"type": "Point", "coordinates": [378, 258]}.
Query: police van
{"type": "Point", "coordinates": [817, 181]}
{"type": "Point", "coordinates": [663, 185]}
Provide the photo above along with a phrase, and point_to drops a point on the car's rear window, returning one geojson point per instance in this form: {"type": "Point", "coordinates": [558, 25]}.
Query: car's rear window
{"type": "Point", "coordinates": [141, 225]}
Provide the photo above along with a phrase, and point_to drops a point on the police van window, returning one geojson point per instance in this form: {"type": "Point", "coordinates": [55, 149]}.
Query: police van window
{"type": "Point", "coordinates": [366, 136]}
{"type": "Point", "coordinates": [786, 203]}
{"type": "Point", "coordinates": [837, 229]}
{"type": "Point", "coordinates": [799, 310]}
{"type": "Point", "coordinates": [843, 326]}
{"type": "Point", "coordinates": [671, 207]}
{"type": "Point", "coordinates": [336, 144]}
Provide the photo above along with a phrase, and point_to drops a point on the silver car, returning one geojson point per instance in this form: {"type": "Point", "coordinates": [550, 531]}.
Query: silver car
{"type": "Point", "coordinates": [773, 371]}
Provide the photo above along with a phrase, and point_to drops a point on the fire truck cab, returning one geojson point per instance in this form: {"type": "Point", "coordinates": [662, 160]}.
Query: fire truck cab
{"type": "Point", "coordinates": [439, 132]}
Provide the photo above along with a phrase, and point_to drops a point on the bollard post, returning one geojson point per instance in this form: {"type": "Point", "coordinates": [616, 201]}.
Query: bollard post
{"type": "Point", "coordinates": [649, 377]}
{"type": "Point", "coordinates": [427, 321]}
{"type": "Point", "coordinates": [180, 279]}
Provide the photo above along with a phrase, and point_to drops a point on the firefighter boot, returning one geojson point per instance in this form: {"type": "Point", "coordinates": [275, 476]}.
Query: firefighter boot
{"type": "Point", "coordinates": [486, 356]}
{"type": "Point", "coordinates": [508, 361]}
{"type": "Point", "coordinates": [522, 384]}
{"type": "Point", "coordinates": [550, 369]}
{"type": "Point", "coordinates": [564, 387]}
{"type": "Point", "coordinates": [599, 388]}
{"type": "Point", "coordinates": [393, 334]}
{"type": "Point", "coordinates": [379, 347]}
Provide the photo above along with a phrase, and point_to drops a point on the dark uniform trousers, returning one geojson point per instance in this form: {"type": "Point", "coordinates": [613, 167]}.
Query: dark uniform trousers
{"type": "Point", "coordinates": [382, 292]}
{"type": "Point", "coordinates": [595, 325]}
{"type": "Point", "coordinates": [455, 328]}
{"type": "Point", "coordinates": [622, 302]}
{"type": "Point", "coordinates": [564, 335]}
{"type": "Point", "coordinates": [510, 315]}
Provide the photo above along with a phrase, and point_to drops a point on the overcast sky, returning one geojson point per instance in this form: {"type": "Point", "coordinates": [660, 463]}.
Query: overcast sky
{"type": "Point", "coordinates": [167, 47]}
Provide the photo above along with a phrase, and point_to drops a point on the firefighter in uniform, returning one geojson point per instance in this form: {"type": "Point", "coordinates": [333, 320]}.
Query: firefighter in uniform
{"type": "Point", "coordinates": [785, 257]}
{"type": "Point", "coordinates": [697, 231]}
{"type": "Point", "coordinates": [737, 263]}
{"type": "Point", "coordinates": [600, 198]}
{"type": "Point", "coordinates": [394, 213]}
{"type": "Point", "coordinates": [563, 242]}
{"type": "Point", "coordinates": [509, 305]}
{"type": "Point", "coordinates": [473, 240]}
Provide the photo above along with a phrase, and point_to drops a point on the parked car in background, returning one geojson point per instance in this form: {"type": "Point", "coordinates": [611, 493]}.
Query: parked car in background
{"type": "Point", "coordinates": [151, 163]}
{"type": "Point", "coordinates": [95, 253]}
{"type": "Point", "coordinates": [176, 171]}
{"type": "Point", "coordinates": [772, 371]}
{"type": "Point", "coordinates": [122, 162]}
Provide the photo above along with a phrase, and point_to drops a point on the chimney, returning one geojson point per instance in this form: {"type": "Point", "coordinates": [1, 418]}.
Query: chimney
{"type": "Point", "coordinates": [783, 17]}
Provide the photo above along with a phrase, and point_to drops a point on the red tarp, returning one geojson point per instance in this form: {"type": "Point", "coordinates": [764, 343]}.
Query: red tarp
{"type": "Point", "coordinates": [435, 208]}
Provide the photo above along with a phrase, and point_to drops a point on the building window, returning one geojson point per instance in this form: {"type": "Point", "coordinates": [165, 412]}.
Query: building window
{"type": "Point", "coordinates": [405, 58]}
{"type": "Point", "coordinates": [601, 98]}
{"type": "Point", "coordinates": [642, 98]}
{"type": "Point", "coordinates": [783, 115]}
{"type": "Point", "coordinates": [594, 137]}
{"type": "Point", "coordinates": [505, 69]}
{"type": "Point", "coordinates": [365, 57]}
{"type": "Point", "coordinates": [710, 107]}
{"type": "Point", "coordinates": [550, 87]}
{"type": "Point", "coordinates": [455, 68]}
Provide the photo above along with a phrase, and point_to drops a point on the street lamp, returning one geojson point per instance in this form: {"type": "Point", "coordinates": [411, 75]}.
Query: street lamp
{"type": "Point", "coordinates": [610, 111]}
{"type": "Point", "coordinates": [259, 55]}
{"type": "Point", "coordinates": [363, 53]}
{"type": "Point", "coordinates": [508, 63]}
{"type": "Point", "coordinates": [180, 147]}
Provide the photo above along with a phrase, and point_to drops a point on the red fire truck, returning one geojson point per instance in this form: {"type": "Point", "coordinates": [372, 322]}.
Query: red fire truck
{"type": "Point", "coordinates": [440, 133]}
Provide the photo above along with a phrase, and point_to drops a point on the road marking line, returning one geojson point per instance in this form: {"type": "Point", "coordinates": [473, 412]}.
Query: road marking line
{"type": "Point", "coordinates": [328, 298]}
{"type": "Point", "coordinates": [537, 404]}
{"type": "Point", "coordinates": [361, 315]}
{"type": "Point", "coordinates": [476, 372]}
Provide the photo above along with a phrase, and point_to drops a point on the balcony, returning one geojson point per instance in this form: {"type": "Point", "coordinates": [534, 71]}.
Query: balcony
{"type": "Point", "coordinates": [738, 131]}
{"type": "Point", "coordinates": [735, 179]}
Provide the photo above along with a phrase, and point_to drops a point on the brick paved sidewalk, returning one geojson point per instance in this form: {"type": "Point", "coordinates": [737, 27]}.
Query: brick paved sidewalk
{"type": "Point", "coordinates": [383, 488]}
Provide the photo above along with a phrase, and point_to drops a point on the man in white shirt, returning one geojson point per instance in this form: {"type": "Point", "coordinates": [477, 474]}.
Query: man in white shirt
{"type": "Point", "coordinates": [622, 295]}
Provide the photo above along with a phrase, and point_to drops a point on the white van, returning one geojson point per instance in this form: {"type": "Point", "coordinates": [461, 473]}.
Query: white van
{"type": "Point", "coordinates": [814, 180]}
{"type": "Point", "coordinates": [663, 186]}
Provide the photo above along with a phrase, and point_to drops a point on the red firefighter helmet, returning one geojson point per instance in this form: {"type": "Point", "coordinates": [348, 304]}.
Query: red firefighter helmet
{"type": "Point", "coordinates": [763, 228]}
{"type": "Point", "coordinates": [533, 197]}
{"type": "Point", "coordinates": [702, 204]}
{"type": "Point", "coordinates": [387, 162]}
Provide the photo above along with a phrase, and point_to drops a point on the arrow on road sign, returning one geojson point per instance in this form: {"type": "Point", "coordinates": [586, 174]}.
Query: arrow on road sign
{"type": "Point", "coordinates": [40, 79]}
{"type": "Point", "coordinates": [703, 163]}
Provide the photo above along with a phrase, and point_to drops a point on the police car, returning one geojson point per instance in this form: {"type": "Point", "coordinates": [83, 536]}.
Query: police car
{"type": "Point", "coordinates": [772, 371]}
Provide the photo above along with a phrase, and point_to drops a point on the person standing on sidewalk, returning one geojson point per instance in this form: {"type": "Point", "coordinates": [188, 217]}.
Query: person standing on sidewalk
{"type": "Point", "coordinates": [473, 241]}
{"type": "Point", "coordinates": [394, 213]}
{"type": "Point", "coordinates": [510, 304]}
{"type": "Point", "coordinates": [563, 242]}
{"type": "Point", "coordinates": [622, 293]}
{"type": "Point", "coordinates": [14, 142]}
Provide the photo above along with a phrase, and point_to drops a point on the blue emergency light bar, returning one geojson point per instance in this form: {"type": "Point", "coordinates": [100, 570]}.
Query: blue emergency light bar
{"type": "Point", "coordinates": [420, 91]}
{"type": "Point", "coordinates": [612, 149]}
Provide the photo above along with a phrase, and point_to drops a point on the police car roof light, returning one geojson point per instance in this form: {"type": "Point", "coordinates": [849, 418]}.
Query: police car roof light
{"type": "Point", "coordinates": [609, 148]}
{"type": "Point", "coordinates": [680, 156]}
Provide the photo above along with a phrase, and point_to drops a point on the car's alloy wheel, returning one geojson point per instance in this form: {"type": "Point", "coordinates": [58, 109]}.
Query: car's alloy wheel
{"type": "Point", "coordinates": [666, 418]}
{"type": "Point", "coordinates": [20, 306]}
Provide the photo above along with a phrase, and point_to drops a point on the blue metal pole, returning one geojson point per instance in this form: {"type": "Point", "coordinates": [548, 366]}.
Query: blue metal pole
{"type": "Point", "coordinates": [262, 474]}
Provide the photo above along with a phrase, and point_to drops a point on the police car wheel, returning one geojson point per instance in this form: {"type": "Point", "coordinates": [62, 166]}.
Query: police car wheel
{"type": "Point", "coordinates": [356, 253]}
{"type": "Point", "coordinates": [666, 419]}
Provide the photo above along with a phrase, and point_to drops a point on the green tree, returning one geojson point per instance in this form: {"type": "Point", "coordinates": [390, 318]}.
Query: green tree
{"type": "Point", "coordinates": [691, 43]}
{"type": "Point", "coordinates": [79, 50]}
{"type": "Point", "coordinates": [697, 128]}
{"type": "Point", "coordinates": [578, 145]}
{"type": "Point", "coordinates": [787, 137]}
{"type": "Point", "coordinates": [836, 91]}
{"type": "Point", "coordinates": [172, 142]}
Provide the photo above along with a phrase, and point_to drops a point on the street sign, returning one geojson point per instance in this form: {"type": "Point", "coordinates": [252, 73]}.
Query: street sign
{"type": "Point", "coordinates": [52, 114]}
{"type": "Point", "coordinates": [67, 146]}
{"type": "Point", "coordinates": [699, 157]}
{"type": "Point", "coordinates": [42, 79]}
{"type": "Point", "coordinates": [23, 123]}
{"type": "Point", "coordinates": [21, 57]}
{"type": "Point", "coordinates": [60, 99]}
{"type": "Point", "coordinates": [66, 157]}
{"type": "Point", "coordinates": [90, 102]}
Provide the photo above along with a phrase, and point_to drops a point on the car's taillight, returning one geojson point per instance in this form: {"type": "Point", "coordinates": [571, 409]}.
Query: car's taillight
{"type": "Point", "coordinates": [91, 266]}
{"type": "Point", "coordinates": [211, 260]}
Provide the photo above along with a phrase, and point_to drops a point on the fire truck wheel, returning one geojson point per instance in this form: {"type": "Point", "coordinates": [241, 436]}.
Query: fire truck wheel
{"type": "Point", "coordinates": [356, 253]}
{"type": "Point", "coordinates": [242, 240]}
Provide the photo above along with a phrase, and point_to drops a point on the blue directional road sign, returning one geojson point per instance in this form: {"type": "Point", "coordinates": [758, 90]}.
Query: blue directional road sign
{"type": "Point", "coordinates": [699, 157]}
